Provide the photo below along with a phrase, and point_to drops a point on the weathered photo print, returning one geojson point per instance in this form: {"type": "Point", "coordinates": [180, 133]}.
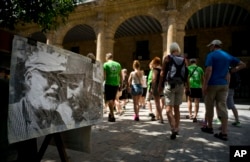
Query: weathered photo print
{"type": "Point", "coordinates": [51, 90]}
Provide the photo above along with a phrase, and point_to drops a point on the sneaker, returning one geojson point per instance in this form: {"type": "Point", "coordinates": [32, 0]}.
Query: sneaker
{"type": "Point", "coordinates": [173, 135]}
{"type": "Point", "coordinates": [203, 123]}
{"type": "Point", "coordinates": [153, 118]}
{"type": "Point", "coordinates": [111, 118]}
{"type": "Point", "coordinates": [151, 115]}
{"type": "Point", "coordinates": [221, 136]}
{"type": "Point", "coordinates": [161, 122]}
{"type": "Point", "coordinates": [217, 121]}
{"type": "Point", "coordinates": [136, 118]}
{"type": "Point", "coordinates": [207, 130]}
{"type": "Point", "coordinates": [189, 117]}
{"type": "Point", "coordinates": [195, 120]}
{"type": "Point", "coordinates": [236, 124]}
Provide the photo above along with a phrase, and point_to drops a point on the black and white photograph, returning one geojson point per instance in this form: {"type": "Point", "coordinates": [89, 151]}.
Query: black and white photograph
{"type": "Point", "coordinates": [51, 90]}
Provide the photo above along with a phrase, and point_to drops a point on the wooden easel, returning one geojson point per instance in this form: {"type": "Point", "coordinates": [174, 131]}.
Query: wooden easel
{"type": "Point", "coordinates": [59, 144]}
{"type": "Point", "coordinates": [27, 150]}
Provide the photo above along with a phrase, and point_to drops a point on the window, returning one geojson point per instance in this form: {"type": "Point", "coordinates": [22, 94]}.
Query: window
{"type": "Point", "coordinates": [240, 43]}
{"type": "Point", "coordinates": [142, 50]}
{"type": "Point", "coordinates": [190, 47]}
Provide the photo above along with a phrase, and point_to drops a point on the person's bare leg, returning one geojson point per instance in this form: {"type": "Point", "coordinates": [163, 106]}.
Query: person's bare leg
{"type": "Point", "coordinates": [190, 106]}
{"type": "Point", "coordinates": [209, 122]}
{"type": "Point", "coordinates": [111, 104]}
{"type": "Point", "coordinates": [177, 117]}
{"type": "Point", "coordinates": [236, 116]}
{"type": "Point", "coordinates": [134, 103]}
{"type": "Point", "coordinates": [149, 105]}
{"type": "Point", "coordinates": [138, 107]}
{"type": "Point", "coordinates": [158, 108]}
{"type": "Point", "coordinates": [171, 118]}
{"type": "Point", "coordinates": [224, 122]}
{"type": "Point", "coordinates": [118, 106]}
{"type": "Point", "coordinates": [196, 107]}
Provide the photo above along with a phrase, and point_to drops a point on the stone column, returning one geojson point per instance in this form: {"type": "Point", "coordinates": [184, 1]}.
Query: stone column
{"type": "Point", "coordinates": [180, 39]}
{"type": "Point", "coordinates": [109, 43]}
{"type": "Point", "coordinates": [105, 42]}
{"type": "Point", "coordinates": [171, 30]}
{"type": "Point", "coordinates": [100, 42]}
{"type": "Point", "coordinates": [164, 43]}
{"type": "Point", "coordinates": [55, 38]}
{"type": "Point", "coordinates": [50, 38]}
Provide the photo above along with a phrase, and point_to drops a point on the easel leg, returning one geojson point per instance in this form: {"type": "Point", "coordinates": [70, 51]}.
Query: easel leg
{"type": "Point", "coordinates": [60, 147]}
{"type": "Point", "coordinates": [44, 147]}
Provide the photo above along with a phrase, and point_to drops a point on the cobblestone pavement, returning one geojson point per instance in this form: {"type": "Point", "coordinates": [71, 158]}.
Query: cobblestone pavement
{"type": "Point", "coordinates": [148, 141]}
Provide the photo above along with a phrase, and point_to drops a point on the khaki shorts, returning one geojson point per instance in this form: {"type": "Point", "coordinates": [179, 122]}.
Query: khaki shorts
{"type": "Point", "coordinates": [173, 96]}
{"type": "Point", "coordinates": [216, 95]}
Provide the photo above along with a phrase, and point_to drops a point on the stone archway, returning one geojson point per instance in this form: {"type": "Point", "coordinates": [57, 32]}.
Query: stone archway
{"type": "Point", "coordinates": [223, 32]}
{"type": "Point", "coordinates": [116, 20]}
{"type": "Point", "coordinates": [135, 40]}
{"type": "Point", "coordinates": [193, 6]}
{"type": "Point", "coordinates": [59, 37]}
{"type": "Point", "coordinates": [80, 39]}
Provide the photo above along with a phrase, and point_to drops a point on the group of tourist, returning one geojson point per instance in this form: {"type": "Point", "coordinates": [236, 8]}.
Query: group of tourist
{"type": "Point", "coordinates": [169, 79]}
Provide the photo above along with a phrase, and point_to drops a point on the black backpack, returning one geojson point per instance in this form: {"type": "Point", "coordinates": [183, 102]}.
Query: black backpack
{"type": "Point", "coordinates": [177, 72]}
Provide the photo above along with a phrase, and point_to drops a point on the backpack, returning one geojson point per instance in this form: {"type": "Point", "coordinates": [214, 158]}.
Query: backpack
{"type": "Point", "coordinates": [177, 72]}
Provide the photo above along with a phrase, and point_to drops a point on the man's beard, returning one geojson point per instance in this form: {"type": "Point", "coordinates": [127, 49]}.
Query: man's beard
{"type": "Point", "coordinates": [77, 109]}
{"type": "Point", "coordinates": [44, 102]}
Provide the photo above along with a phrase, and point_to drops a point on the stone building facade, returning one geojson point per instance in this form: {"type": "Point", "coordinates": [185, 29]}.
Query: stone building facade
{"type": "Point", "coordinates": [143, 29]}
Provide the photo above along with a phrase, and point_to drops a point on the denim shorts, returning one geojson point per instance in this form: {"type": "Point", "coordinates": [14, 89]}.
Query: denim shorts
{"type": "Point", "coordinates": [230, 99]}
{"type": "Point", "coordinates": [136, 89]}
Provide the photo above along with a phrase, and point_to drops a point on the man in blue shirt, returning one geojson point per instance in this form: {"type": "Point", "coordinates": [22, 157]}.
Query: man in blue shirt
{"type": "Point", "coordinates": [215, 86]}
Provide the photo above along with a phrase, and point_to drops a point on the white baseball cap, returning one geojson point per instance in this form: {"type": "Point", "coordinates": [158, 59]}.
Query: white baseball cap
{"type": "Point", "coordinates": [192, 60]}
{"type": "Point", "coordinates": [45, 61]}
{"type": "Point", "coordinates": [215, 42]}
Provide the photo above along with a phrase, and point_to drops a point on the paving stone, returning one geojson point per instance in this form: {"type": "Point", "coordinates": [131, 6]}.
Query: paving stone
{"type": "Point", "coordinates": [148, 141]}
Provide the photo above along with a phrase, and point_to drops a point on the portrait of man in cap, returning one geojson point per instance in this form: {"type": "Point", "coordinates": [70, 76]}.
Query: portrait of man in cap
{"type": "Point", "coordinates": [34, 114]}
{"type": "Point", "coordinates": [81, 104]}
{"type": "Point", "coordinates": [51, 90]}
{"type": "Point", "coordinates": [74, 108]}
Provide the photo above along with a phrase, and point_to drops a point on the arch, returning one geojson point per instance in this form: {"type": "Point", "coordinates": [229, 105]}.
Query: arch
{"type": "Point", "coordinates": [138, 25]}
{"type": "Point", "coordinates": [116, 20]}
{"type": "Point", "coordinates": [193, 6]}
{"type": "Point", "coordinates": [59, 37]}
{"type": "Point", "coordinates": [74, 34]}
{"type": "Point", "coordinates": [219, 15]}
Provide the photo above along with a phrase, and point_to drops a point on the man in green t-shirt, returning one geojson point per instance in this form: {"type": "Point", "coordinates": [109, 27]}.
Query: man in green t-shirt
{"type": "Point", "coordinates": [113, 78]}
{"type": "Point", "coordinates": [196, 75]}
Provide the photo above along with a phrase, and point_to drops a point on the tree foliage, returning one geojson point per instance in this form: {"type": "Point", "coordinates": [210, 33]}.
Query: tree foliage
{"type": "Point", "coordinates": [48, 14]}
